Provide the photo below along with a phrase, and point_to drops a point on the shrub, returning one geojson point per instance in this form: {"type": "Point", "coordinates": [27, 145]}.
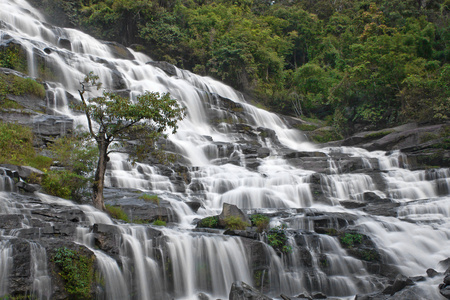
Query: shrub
{"type": "Point", "coordinates": [159, 222]}
{"type": "Point", "coordinates": [350, 239]}
{"type": "Point", "coordinates": [260, 221]}
{"type": "Point", "coordinates": [117, 212]}
{"type": "Point", "coordinates": [277, 239]}
{"type": "Point", "coordinates": [209, 222]}
{"type": "Point", "coordinates": [150, 198]}
{"type": "Point", "coordinates": [64, 184]}
{"type": "Point", "coordinates": [235, 223]}
{"type": "Point", "coordinates": [76, 270]}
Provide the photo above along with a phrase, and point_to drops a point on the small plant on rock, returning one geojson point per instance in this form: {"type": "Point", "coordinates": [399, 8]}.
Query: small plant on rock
{"type": "Point", "coordinates": [260, 221]}
{"type": "Point", "coordinates": [349, 240]}
{"type": "Point", "coordinates": [277, 238]}
{"type": "Point", "coordinates": [76, 270]}
{"type": "Point", "coordinates": [159, 222]}
{"type": "Point", "coordinates": [209, 222]}
{"type": "Point", "coordinates": [117, 212]}
{"type": "Point", "coordinates": [150, 198]}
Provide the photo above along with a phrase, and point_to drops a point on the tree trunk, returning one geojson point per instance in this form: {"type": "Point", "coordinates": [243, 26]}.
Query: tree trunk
{"type": "Point", "coordinates": [99, 179]}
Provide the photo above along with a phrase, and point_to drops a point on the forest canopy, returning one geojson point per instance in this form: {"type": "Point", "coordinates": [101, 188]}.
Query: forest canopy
{"type": "Point", "coordinates": [354, 63]}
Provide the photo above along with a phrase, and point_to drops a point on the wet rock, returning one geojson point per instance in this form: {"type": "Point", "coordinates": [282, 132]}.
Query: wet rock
{"type": "Point", "coordinates": [29, 188]}
{"type": "Point", "coordinates": [52, 126]}
{"type": "Point", "coordinates": [165, 66]}
{"type": "Point", "coordinates": [194, 205]}
{"type": "Point", "coordinates": [432, 273]}
{"type": "Point", "coordinates": [202, 296]}
{"type": "Point", "coordinates": [400, 283]}
{"type": "Point", "coordinates": [263, 152]}
{"type": "Point", "coordinates": [119, 51]}
{"type": "Point", "coordinates": [65, 43]}
{"type": "Point", "coordinates": [8, 222]}
{"type": "Point", "coordinates": [242, 291]}
{"type": "Point", "coordinates": [319, 296]}
{"type": "Point", "coordinates": [445, 264]}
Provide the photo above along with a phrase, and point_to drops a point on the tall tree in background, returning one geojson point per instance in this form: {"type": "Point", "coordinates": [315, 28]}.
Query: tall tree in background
{"type": "Point", "coordinates": [116, 119]}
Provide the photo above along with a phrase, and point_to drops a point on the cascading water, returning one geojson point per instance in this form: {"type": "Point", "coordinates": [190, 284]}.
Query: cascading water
{"type": "Point", "coordinates": [232, 153]}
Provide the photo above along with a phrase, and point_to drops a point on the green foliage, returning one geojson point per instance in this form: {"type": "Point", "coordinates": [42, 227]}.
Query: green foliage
{"type": "Point", "coordinates": [209, 222]}
{"type": "Point", "coordinates": [64, 184]}
{"type": "Point", "coordinates": [12, 57]}
{"type": "Point", "coordinates": [150, 198]}
{"type": "Point", "coordinates": [159, 222]}
{"type": "Point", "coordinates": [359, 63]}
{"type": "Point", "coordinates": [76, 153]}
{"type": "Point", "coordinates": [117, 212]}
{"type": "Point", "coordinates": [119, 119]}
{"type": "Point", "coordinates": [77, 271]}
{"type": "Point", "coordinates": [277, 239]}
{"type": "Point", "coordinates": [349, 240]}
{"type": "Point", "coordinates": [235, 223]}
{"type": "Point", "coordinates": [260, 221]}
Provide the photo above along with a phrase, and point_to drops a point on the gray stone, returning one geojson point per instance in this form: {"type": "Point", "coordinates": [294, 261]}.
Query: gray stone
{"type": "Point", "coordinates": [231, 210]}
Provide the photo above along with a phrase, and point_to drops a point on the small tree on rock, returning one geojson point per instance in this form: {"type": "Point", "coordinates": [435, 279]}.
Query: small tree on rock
{"type": "Point", "coordinates": [116, 119]}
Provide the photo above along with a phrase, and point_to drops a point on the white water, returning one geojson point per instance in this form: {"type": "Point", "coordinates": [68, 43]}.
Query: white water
{"type": "Point", "coordinates": [181, 263]}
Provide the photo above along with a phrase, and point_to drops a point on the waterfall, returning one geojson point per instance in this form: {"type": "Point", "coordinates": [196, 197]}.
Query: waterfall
{"type": "Point", "coordinates": [229, 152]}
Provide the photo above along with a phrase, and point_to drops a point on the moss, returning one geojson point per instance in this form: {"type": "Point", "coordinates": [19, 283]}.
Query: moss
{"type": "Point", "coordinates": [6, 104]}
{"type": "Point", "coordinates": [235, 223]}
{"type": "Point", "coordinates": [306, 127]}
{"type": "Point", "coordinates": [378, 134]}
{"type": "Point", "coordinates": [117, 212]}
{"type": "Point", "coordinates": [325, 136]}
{"type": "Point", "coordinates": [261, 278]}
{"type": "Point", "coordinates": [141, 221]}
{"type": "Point", "coordinates": [16, 85]}
{"type": "Point", "coordinates": [159, 222]}
{"type": "Point", "coordinates": [16, 144]}
{"type": "Point", "coordinates": [77, 271]}
{"type": "Point", "coordinates": [150, 198]}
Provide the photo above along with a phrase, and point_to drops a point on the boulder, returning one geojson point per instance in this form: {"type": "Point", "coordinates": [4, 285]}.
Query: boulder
{"type": "Point", "coordinates": [24, 171]}
{"type": "Point", "coordinates": [231, 210]}
{"type": "Point", "coordinates": [242, 291]}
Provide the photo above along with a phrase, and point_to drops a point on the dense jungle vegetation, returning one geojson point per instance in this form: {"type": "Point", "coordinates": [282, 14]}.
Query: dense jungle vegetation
{"type": "Point", "coordinates": [357, 64]}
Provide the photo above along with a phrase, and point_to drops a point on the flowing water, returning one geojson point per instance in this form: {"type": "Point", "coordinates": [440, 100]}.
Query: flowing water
{"type": "Point", "coordinates": [180, 262]}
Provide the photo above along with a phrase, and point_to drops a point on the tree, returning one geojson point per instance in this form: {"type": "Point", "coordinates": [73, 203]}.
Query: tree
{"type": "Point", "coordinates": [115, 119]}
